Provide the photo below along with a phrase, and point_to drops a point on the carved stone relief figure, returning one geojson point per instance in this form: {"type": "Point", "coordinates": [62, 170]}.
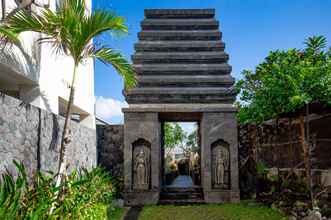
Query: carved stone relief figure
{"type": "Point", "coordinates": [141, 165]}
{"type": "Point", "coordinates": [220, 164]}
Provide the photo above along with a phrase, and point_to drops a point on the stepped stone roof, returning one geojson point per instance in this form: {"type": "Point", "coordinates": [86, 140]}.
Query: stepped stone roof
{"type": "Point", "coordinates": [180, 58]}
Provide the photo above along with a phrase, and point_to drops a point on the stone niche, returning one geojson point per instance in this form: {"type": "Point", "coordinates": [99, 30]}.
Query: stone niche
{"type": "Point", "coordinates": [141, 164]}
{"type": "Point", "coordinates": [220, 165]}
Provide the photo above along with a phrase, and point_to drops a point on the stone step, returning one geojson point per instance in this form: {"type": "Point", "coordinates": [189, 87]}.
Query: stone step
{"type": "Point", "coordinates": [180, 57]}
{"type": "Point", "coordinates": [181, 202]}
{"type": "Point", "coordinates": [180, 24]}
{"type": "Point", "coordinates": [192, 189]}
{"type": "Point", "coordinates": [180, 35]}
{"type": "Point", "coordinates": [179, 13]}
{"type": "Point", "coordinates": [195, 46]}
{"type": "Point", "coordinates": [175, 196]}
{"type": "Point", "coordinates": [185, 81]}
{"type": "Point", "coordinates": [183, 69]}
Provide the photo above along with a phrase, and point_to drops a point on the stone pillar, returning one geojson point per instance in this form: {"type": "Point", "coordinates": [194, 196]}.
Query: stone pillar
{"type": "Point", "coordinates": [219, 126]}
{"type": "Point", "coordinates": [146, 127]}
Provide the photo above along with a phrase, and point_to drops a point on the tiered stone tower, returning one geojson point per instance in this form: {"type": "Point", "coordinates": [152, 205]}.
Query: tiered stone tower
{"type": "Point", "coordinates": [180, 58]}
{"type": "Point", "coordinates": [183, 75]}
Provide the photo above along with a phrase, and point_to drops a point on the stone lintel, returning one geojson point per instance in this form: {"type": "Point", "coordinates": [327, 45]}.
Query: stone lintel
{"type": "Point", "coordinates": [180, 108]}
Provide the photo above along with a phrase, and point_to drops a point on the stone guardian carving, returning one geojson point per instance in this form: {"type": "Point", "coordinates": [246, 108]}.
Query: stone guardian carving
{"type": "Point", "coordinates": [141, 165]}
{"type": "Point", "coordinates": [220, 165]}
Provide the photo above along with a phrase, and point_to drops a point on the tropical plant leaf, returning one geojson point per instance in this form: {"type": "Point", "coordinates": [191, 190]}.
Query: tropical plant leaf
{"type": "Point", "coordinates": [110, 57]}
{"type": "Point", "coordinates": [7, 35]}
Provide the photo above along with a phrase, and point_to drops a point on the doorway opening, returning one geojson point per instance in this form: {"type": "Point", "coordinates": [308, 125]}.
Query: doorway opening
{"type": "Point", "coordinates": [181, 154]}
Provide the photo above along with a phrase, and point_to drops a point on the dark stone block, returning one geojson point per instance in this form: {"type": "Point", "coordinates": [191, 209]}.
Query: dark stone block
{"type": "Point", "coordinates": [179, 24]}
{"type": "Point", "coordinates": [185, 81]}
{"type": "Point", "coordinates": [204, 35]}
{"type": "Point", "coordinates": [179, 13]}
{"type": "Point", "coordinates": [180, 57]}
{"type": "Point", "coordinates": [182, 69]}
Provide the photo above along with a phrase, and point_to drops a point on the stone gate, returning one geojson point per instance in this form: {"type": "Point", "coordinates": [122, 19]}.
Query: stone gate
{"type": "Point", "coordinates": [183, 75]}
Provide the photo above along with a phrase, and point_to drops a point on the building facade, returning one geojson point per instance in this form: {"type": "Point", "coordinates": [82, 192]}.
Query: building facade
{"type": "Point", "coordinates": [36, 75]}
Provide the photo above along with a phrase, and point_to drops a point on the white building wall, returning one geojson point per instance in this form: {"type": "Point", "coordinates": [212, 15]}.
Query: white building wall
{"type": "Point", "coordinates": [52, 76]}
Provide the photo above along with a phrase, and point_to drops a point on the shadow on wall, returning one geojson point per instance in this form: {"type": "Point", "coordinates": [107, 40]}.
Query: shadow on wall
{"type": "Point", "coordinates": [22, 59]}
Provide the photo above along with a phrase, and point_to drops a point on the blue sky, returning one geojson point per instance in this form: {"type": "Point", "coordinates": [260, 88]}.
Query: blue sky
{"type": "Point", "coordinates": [251, 28]}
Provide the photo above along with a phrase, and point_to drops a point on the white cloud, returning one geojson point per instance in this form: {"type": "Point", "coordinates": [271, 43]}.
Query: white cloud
{"type": "Point", "coordinates": [108, 108]}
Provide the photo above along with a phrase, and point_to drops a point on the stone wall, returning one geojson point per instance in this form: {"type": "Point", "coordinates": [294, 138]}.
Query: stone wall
{"type": "Point", "coordinates": [110, 148]}
{"type": "Point", "coordinates": [33, 136]}
{"type": "Point", "coordinates": [277, 145]}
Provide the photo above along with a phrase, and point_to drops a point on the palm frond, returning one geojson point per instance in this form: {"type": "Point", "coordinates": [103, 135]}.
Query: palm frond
{"type": "Point", "coordinates": [7, 35]}
{"type": "Point", "coordinates": [23, 21]}
{"type": "Point", "coordinates": [315, 43]}
{"type": "Point", "coordinates": [110, 57]}
{"type": "Point", "coordinates": [103, 21]}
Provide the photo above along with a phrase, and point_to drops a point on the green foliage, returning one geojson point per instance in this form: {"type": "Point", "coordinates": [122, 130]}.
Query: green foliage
{"type": "Point", "coordinates": [83, 191]}
{"type": "Point", "coordinates": [244, 210]}
{"type": "Point", "coordinates": [192, 141]}
{"type": "Point", "coordinates": [118, 184]}
{"type": "Point", "coordinates": [11, 192]}
{"type": "Point", "coordinates": [285, 82]}
{"type": "Point", "coordinates": [85, 195]}
{"type": "Point", "coordinates": [116, 213]}
{"type": "Point", "coordinates": [261, 169]}
{"type": "Point", "coordinates": [173, 135]}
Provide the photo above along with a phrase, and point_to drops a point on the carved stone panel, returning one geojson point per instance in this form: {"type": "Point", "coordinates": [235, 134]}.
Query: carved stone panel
{"type": "Point", "coordinates": [220, 165]}
{"type": "Point", "coordinates": [141, 164]}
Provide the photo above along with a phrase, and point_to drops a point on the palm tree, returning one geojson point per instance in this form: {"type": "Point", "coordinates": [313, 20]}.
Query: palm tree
{"type": "Point", "coordinates": [315, 43]}
{"type": "Point", "coordinates": [71, 30]}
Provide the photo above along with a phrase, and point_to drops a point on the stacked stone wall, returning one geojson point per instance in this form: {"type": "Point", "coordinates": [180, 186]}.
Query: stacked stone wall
{"type": "Point", "coordinates": [110, 148]}
{"type": "Point", "coordinates": [277, 144]}
{"type": "Point", "coordinates": [33, 136]}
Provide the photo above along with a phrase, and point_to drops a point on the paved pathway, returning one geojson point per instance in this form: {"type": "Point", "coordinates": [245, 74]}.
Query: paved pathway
{"type": "Point", "coordinates": [182, 181]}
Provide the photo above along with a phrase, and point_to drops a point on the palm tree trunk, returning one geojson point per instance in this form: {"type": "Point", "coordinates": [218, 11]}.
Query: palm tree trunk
{"type": "Point", "coordinates": [66, 138]}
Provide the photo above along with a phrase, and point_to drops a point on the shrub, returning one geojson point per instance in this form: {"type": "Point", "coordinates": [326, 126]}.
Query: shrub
{"type": "Point", "coordinates": [286, 191]}
{"type": "Point", "coordinates": [84, 195]}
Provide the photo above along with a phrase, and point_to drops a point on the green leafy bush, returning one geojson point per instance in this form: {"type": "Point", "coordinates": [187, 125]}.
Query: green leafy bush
{"type": "Point", "coordinates": [84, 195]}
{"type": "Point", "coordinates": [285, 81]}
